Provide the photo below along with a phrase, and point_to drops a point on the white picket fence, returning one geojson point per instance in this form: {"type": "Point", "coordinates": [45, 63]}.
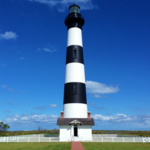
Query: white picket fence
{"type": "Point", "coordinates": [29, 138]}
{"type": "Point", "coordinates": [95, 137]}
{"type": "Point", "coordinates": [119, 138]}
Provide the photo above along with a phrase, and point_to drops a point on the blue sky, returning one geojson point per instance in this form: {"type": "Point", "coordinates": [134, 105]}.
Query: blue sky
{"type": "Point", "coordinates": [116, 44]}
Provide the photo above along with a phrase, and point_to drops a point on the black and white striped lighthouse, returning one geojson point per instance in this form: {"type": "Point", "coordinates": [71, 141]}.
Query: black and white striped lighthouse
{"type": "Point", "coordinates": [75, 122]}
{"type": "Point", "coordinates": [75, 103]}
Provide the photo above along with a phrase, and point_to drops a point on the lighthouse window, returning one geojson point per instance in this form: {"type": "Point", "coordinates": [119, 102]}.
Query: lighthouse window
{"type": "Point", "coordinates": [75, 54]}
{"type": "Point", "coordinates": [74, 89]}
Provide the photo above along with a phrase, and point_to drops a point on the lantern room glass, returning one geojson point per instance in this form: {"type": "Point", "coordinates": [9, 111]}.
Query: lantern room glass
{"type": "Point", "coordinates": [74, 9]}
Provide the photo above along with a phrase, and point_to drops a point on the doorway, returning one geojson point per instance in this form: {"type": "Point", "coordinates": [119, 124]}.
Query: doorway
{"type": "Point", "coordinates": [75, 130]}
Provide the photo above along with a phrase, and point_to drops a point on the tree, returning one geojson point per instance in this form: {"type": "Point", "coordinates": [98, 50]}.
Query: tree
{"type": "Point", "coordinates": [5, 127]}
{"type": "Point", "coordinates": [1, 126]}
{"type": "Point", "coordinates": [39, 129]}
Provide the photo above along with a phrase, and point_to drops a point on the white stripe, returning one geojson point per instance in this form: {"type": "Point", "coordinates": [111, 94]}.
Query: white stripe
{"type": "Point", "coordinates": [74, 37]}
{"type": "Point", "coordinates": [75, 110]}
{"type": "Point", "coordinates": [75, 73]}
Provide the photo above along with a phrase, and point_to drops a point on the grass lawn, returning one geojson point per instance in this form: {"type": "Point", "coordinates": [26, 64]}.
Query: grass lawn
{"type": "Point", "coordinates": [35, 146]}
{"type": "Point", "coordinates": [116, 146]}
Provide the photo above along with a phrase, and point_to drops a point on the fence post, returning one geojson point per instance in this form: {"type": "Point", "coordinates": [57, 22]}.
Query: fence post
{"type": "Point", "coordinates": [7, 139]}
{"type": "Point", "coordinates": [28, 138]}
{"type": "Point", "coordinates": [112, 139]}
{"type": "Point", "coordinates": [134, 139]}
{"type": "Point", "coordinates": [102, 139]}
{"type": "Point", "coordinates": [123, 139]}
{"type": "Point", "coordinates": [49, 139]}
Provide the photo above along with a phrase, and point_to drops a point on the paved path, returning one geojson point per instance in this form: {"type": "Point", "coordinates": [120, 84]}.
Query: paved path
{"type": "Point", "coordinates": [77, 146]}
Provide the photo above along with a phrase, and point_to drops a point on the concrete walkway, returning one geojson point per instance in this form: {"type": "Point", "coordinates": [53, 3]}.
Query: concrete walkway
{"type": "Point", "coordinates": [77, 146]}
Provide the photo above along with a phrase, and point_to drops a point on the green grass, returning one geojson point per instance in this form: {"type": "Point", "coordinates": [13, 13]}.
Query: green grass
{"type": "Point", "coordinates": [35, 146]}
{"type": "Point", "coordinates": [115, 146]}
{"type": "Point", "coordinates": [67, 146]}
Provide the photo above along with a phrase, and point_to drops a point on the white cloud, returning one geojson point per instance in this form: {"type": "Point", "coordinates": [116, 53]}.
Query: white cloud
{"type": "Point", "coordinates": [8, 35]}
{"type": "Point", "coordinates": [38, 49]}
{"type": "Point", "coordinates": [30, 119]}
{"type": "Point", "coordinates": [40, 108]}
{"type": "Point", "coordinates": [22, 58]}
{"type": "Point", "coordinates": [4, 86]}
{"type": "Point", "coordinates": [99, 107]}
{"type": "Point", "coordinates": [48, 50]}
{"type": "Point", "coordinates": [144, 120]}
{"type": "Point", "coordinates": [52, 105]}
{"type": "Point", "coordinates": [8, 89]}
{"type": "Point", "coordinates": [118, 120]}
{"type": "Point", "coordinates": [4, 65]}
{"type": "Point", "coordinates": [62, 5]}
{"type": "Point", "coordinates": [96, 95]}
{"type": "Point", "coordinates": [96, 88]}
{"type": "Point", "coordinates": [10, 101]}
{"type": "Point", "coordinates": [7, 111]}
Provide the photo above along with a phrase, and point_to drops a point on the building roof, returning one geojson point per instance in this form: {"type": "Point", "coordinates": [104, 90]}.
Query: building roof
{"type": "Point", "coordinates": [69, 121]}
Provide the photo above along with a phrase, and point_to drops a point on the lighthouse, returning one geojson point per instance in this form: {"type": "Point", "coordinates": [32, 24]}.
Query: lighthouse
{"type": "Point", "coordinates": [75, 122]}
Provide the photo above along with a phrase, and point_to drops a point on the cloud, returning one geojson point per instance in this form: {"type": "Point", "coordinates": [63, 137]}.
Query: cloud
{"type": "Point", "coordinates": [8, 89]}
{"type": "Point", "coordinates": [22, 58]}
{"type": "Point", "coordinates": [48, 50]}
{"type": "Point", "coordinates": [8, 35]}
{"type": "Point", "coordinates": [96, 95]}
{"type": "Point", "coordinates": [99, 107]}
{"type": "Point", "coordinates": [30, 119]}
{"type": "Point", "coordinates": [52, 105]}
{"type": "Point", "coordinates": [96, 88]}
{"type": "Point", "coordinates": [4, 86]}
{"type": "Point", "coordinates": [143, 120]}
{"type": "Point", "coordinates": [62, 5]}
{"type": "Point", "coordinates": [10, 101]}
{"type": "Point", "coordinates": [138, 110]}
{"type": "Point", "coordinates": [91, 104]}
{"type": "Point", "coordinates": [4, 65]}
{"type": "Point", "coordinates": [7, 111]}
{"type": "Point", "coordinates": [38, 49]}
{"type": "Point", "coordinates": [118, 120]}
{"type": "Point", "coordinates": [40, 108]}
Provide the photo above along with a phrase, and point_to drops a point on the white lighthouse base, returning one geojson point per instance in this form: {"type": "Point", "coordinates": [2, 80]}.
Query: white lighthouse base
{"type": "Point", "coordinates": [75, 133]}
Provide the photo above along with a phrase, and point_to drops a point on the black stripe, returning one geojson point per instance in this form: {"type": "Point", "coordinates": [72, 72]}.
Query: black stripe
{"type": "Point", "coordinates": [74, 20]}
{"type": "Point", "coordinates": [71, 96]}
{"type": "Point", "coordinates": [74, 54]}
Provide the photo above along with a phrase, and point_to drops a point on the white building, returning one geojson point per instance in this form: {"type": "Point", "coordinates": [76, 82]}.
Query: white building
{"type": "Point", "coordinates": [77, 129]}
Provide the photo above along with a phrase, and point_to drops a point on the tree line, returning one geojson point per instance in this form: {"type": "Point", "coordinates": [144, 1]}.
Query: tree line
{"type": "Point", "coordinates": [4, 127]}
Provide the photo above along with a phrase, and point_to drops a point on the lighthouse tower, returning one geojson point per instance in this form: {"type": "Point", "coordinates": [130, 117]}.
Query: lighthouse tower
{"type": "Point", "coordinates": [75, 104]}
{"type": "Point", "coordinates": [75, 121]}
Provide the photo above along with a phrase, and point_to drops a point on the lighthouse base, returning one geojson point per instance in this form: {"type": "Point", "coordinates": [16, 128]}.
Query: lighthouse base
{"type": "Point", "coordinates": [75, 133]}
{"type": "Point", "coordinates": [78, 129]}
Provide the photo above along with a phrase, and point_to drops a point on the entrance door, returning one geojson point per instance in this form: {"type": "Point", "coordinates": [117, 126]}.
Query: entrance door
{"type": "Point", "coordinates": [75, 130]}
